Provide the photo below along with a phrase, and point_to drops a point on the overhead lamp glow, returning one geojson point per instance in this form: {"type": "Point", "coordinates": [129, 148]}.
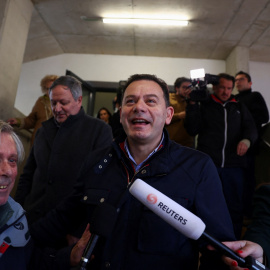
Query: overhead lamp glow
{"type": "Point", "coordinates": [197, 73]}
{"type": "Point", "coordinates": [145, 21]}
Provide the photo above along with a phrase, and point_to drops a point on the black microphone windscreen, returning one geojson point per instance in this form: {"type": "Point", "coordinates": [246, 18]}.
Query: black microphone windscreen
{"type": "Point", "coordinates": [103, 220]}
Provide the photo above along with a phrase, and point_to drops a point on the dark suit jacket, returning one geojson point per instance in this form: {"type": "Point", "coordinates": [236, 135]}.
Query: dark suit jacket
{"type": "Point", "coordinates": [259, 230]}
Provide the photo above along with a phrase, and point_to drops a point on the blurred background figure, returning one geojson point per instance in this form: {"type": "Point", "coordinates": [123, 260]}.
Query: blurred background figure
{"type": "Point", "coordinates": [115, 120]}
{"type": "Point", "coordinates": [178, 101]}
{"type": "Point", "coordinates": [104, 114]}
{"type": "Point", "coordinates": [257, 107]}
{"type": "Point", "coordinates": [41, 110]}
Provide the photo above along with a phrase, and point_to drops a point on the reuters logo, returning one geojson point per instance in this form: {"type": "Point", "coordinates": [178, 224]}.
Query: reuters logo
{"type": "Point", "coordinates": [152, 198]}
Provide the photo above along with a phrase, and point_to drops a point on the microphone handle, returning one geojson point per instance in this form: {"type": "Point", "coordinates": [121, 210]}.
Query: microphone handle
{"type": "Point", "coordinates": [88, 251]}
{"type": "Point", "coordinates": [253, 264]}
{"type": "Point", "coordinates": [248, 262]}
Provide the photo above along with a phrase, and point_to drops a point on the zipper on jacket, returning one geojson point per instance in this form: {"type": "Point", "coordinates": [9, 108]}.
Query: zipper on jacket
{"type": "Point", "coordinates": [225, 136]}
{"type": "Point", "coordinates": [130, 181]}
{"type": "Point", "coordinates": [126, 170]}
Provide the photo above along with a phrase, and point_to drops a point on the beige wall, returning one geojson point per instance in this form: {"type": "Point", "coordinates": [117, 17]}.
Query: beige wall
{"type": "Point", "coordinates": [15, 17]}
{"type": "Point", "coordinates": [14, 24]}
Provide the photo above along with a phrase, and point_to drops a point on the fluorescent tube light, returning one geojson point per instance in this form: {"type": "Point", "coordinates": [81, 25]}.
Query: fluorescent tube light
{"type": "Point", "coordinates": [145, 21]}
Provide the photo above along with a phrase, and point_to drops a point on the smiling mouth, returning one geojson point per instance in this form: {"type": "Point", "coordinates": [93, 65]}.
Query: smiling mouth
{"type": "Point", "coordinates": [3, 187]}
{"type": "Point", "coordinates": [139, 121]}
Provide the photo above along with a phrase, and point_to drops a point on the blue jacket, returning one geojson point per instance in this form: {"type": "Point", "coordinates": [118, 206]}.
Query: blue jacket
{"type": "Point", "coordinates": [140, 239]}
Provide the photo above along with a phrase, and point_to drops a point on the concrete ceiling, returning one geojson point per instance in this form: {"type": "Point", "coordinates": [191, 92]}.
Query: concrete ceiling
{"type": "Point", "coordinates": [216, 27]}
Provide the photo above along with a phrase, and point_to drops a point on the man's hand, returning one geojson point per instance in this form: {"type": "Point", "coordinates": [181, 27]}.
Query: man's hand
{"type": "Point", "coordinates": [241, 148]}
{"type": "Point", "coordinates": [187, 92]}
{"type": "Point", "coordinates": [12, 121]}
{"type": "Point", "coordinates": [78, 249]}
{"type": "Point", "coordinates": [71, 240]}
{"type": "Point", "coordinates": [243, 248]}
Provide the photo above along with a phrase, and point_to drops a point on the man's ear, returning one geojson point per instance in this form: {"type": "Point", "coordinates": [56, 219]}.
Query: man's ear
{"type": "Point", "coordinates": [79, 99]}
{"type": "Point", "coordinates": [169, 115]}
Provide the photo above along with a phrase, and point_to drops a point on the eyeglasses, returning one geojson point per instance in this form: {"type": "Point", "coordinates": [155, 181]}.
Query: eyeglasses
{"type": "Point", "coordinates": [240, 79]}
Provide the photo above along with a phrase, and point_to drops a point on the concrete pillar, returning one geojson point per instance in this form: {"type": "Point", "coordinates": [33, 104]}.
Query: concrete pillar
{"type": "Point", "coordinates": [237, 60]}
{"type": "Point", "coordinates": [15, 17]}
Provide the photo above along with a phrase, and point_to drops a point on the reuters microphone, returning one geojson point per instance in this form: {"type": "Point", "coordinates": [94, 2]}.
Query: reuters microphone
{"type": "Point", "coordinates": [184, 221]}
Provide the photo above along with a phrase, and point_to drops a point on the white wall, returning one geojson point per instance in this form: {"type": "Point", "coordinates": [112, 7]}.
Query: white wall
{"type": "Point", "coordinates": [104, 68]}
{"type": "Point", "coordinates": [260, 75]}
{"type": "Point", "coordinates": [115, 68]}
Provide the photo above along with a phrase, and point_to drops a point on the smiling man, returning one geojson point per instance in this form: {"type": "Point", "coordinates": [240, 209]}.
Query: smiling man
{"type": "Point", "coordinates": [143, 115]}
{"type": "Point", "coordinates": [15, 245]}
{"type": "Point", "coordinates": [139, 238]}
{"type": "Point", "coordinates": [59, 150]}
{"type": "Point", "coordinates": [225, 131]}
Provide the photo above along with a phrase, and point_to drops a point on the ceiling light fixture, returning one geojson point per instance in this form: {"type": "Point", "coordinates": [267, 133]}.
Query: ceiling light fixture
{"type": "Point", "coordinates": [145, 21]}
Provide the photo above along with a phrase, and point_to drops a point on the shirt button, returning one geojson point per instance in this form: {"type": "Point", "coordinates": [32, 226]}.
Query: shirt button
{"type": "Point", "coordinates": [100, 167]}
{"type": "Point", "coordinates": [110, 155]}
{"type": "Point", "coordinates": [105, 160]}
{"type": "Point", "coordinates": [102, 200]}
{"type": "Point", "coordinates": [85, 198]}
{"type": "Point", "coordinates": [107, 264]}
{"type": "Point", "coordinates": [143, 171]}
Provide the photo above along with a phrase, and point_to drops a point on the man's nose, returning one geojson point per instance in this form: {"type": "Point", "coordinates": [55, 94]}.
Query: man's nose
{"type": "Point", "coordinates": [57, 107]}
{"type": "Point", "coordinates": [139, 106]}
{"type": "Point", "coordinates": [5, 168]}
{"type": "Point", "coordinates": [228, 91]}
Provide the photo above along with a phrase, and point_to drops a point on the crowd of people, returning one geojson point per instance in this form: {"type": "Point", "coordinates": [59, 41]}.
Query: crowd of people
{"type": "Point", "coordinates": [78, 165]}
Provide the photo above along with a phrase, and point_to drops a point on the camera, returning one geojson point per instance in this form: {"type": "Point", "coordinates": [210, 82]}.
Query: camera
{"type": "Point", "coordinates": [199, 88]}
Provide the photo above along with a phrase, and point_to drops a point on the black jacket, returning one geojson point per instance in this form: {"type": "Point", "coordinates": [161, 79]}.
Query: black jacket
{"type": "Point", "coordinates": [220, 127]}
{"type": "Point", "coordinates": [55, 161]}
{"type": "Point", "coordinates": [256, 105]}
{"type": "Point", "coordinates": [259, 229]}
{"type": "Point", "coordinates": [140, 239]}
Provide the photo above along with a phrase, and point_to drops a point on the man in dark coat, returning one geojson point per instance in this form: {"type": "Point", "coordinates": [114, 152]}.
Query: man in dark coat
{"type": "Point", "coordinates": [253, 100]}
{"type": "Point", "coordinates": [59, 150]}
{"type": "Point", "coordinates": [256, 105]}
{"type": "Point", "coordinates": [140, 239]}
{"type": "Point", "coordinates": [225, 131]}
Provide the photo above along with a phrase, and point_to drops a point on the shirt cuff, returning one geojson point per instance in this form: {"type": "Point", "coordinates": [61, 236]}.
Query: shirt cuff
{"type": "Point", "coordinates": [246, 142]}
